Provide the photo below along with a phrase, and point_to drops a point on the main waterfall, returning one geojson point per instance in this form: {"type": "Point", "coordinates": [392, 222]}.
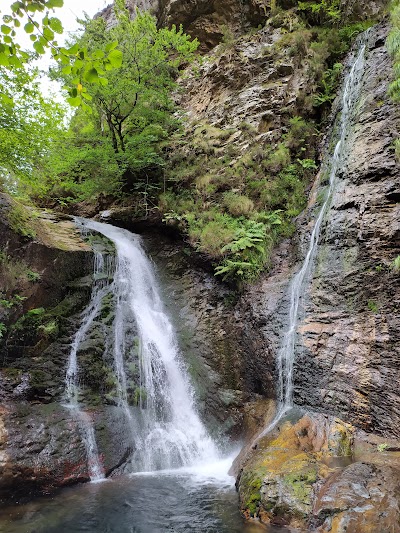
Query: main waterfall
{"type": "Point", "coordinates": [287, 352]}
{"type": "Point", "coordinates": [165, 427]}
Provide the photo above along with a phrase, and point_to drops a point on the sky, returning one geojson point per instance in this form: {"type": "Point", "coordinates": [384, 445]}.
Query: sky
{"type": "Point", "coordinates": [75, 8]}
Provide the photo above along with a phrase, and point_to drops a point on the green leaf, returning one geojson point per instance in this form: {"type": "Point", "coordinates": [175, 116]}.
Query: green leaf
{"type": "Point", "coordinates": [5, 29]}
{"type": "Point", "coordinates": [73, 50]}
{"type": "Point", "coordinates": [115, 58]}
{"type": "Point", "coordinates": [6, 99]}
{"type": "Point", "coordinates": [48, 34]}
{"type": "Point", "coordinates": [29, 27]}
{"type": "Point", "coordinates": [111, 46]}
{"type": "Point", "coordinates": [98, 54]}
{"type": "Point", "coordinates": [54, 3]}
{"type": "Point", "coordinates": [56, 25]}
{"type": "Point", "coordinates": [14, 61]}
{"type": "Point", "coordinates": [74, 102]}
{"type": "Point", "coordinates": [4, 60]}
{"type": "Point", "coordinates": [38, 47]}
{"type": "Point", "coordinates": [67, 69]}
{"type": "Point", "coordinates": [86, 96]}
{"type": "Point", "coordinates": [16, 6]}
{"type": "Point", "coordinates": [92, 75]}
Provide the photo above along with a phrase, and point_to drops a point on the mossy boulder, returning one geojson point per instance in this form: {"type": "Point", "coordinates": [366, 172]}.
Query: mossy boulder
{"type": "Point", "coordinates": [277, 483]}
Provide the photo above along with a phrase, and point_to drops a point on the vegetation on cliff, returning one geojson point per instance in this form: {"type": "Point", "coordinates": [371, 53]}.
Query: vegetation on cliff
{"type": "Point", "coordinates": [224, 181]}
{"type": "Point", "coordinates": [393, 44]}
{"type": "Point", "coordinates": [112, 145]}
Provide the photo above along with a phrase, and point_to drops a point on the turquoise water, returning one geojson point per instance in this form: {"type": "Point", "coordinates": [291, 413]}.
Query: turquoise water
{"type": "Point", "coordinates": [134, 504]}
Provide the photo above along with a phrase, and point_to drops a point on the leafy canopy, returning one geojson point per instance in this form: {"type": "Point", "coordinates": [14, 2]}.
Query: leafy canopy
{"type": "Point", "coordinates": [26, 128]}
{"type": "Point", "coordinates": [142, 85]}
{"type": "Point", "coordinates": [322, 12]}
{"type": "Point", "coordinates": [36, 19]}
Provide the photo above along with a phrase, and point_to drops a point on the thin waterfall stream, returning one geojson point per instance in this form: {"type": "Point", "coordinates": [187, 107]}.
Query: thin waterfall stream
{"type": "Point", "coordinates": [287, 351]}
{"type": "Point", "coordinates": [100, 289]}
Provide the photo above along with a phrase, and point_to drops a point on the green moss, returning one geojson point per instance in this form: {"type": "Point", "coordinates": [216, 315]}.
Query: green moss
{"type": "Point", "coordinates": [21, 220]}
{"type": "Point", "coordinates": [12, 373]}
{"type": "Point", "coordinates": [300, 484]}
{"type": "Point", "coordinates": [49, 329]}
{"type": "Point", "coordinates": [39, 379]}
{"type": "Point", "coordinates": [250, 489]}
{"type": "Point", "coordinates": [373, 306]}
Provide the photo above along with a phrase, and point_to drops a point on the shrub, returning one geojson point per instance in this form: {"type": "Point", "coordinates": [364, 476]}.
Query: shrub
{"type": "Point", "coordinates": [395, 265]}
{"type": "Point", "coordinates": [215, 235]}
{"type": "Point", "coordinates": [237, 204]}
{"type": "Point", "coordinates": [279, 159]}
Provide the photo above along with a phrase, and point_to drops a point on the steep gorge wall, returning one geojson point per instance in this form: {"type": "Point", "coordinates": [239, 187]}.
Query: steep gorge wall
{"type": "Point", "coordinates": [347, 355]}
{"type": "Point", "coordinates": [349, 362]}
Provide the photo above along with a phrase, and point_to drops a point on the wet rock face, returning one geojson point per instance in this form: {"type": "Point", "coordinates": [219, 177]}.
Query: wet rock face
{"type": "Point", "coordinates": [216, 339]}
{"type": "Point", "coordinates": [307, 474]}
{"type": "Point", "coordinates": [43, 287]}
{"type": "Point", "coordinates": [362, 498]}
{"type": "Point", "coordinates": [350, 360]}
{"type": "Point", "coordinates": [277, 481]}
{"type": "Point", "coordinates": [41, 447]}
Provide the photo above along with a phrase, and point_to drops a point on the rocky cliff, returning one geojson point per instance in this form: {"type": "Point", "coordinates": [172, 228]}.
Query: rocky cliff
{"type": "Point", "coordinates": [349, 353]}
{"type": "Point", "coordinates": [347, 357]}
{"type": "Point", "coordinates": [43, 266]}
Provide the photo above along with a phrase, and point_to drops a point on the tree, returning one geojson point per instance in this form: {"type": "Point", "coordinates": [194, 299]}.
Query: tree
{"type": "Point", "coordinates": [76, 60]}
{"type": "Point", "coordinates": [26, 128]}
{"type": "Point", "coordinates": [127, 116]}
{"type": "Point", "coordinates": [140, 90]}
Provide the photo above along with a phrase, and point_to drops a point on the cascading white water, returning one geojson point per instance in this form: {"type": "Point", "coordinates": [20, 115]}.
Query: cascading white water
{"type": "Point", "coordinates": [100, 289]}
{"type": "Point", "coordinates": [286, 355]}
{"type": "Point", "coordinates": [166, 429]}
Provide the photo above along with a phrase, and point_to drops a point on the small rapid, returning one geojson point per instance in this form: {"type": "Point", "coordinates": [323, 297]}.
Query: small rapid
{"type": "Point", "coordinates": [287, 352]}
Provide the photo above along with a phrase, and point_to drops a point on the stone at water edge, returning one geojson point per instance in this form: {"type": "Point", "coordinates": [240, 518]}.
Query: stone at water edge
{"type": "Point", "coordinates": [278, 481]}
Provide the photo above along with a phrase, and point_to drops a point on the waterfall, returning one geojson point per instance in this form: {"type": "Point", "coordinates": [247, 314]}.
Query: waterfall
{"type": "Point", "coordinates": [286, 355]}
{"type": "Point", "coordinates": [165, 428]}
{"type": "Point", "coordinates": [100, 289]}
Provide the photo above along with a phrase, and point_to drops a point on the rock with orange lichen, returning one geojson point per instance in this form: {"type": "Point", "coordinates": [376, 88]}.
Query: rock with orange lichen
{"type": "Point", "coordinates": [362, 498]}
{"type": "Point", "coordinates": [277, 483]}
